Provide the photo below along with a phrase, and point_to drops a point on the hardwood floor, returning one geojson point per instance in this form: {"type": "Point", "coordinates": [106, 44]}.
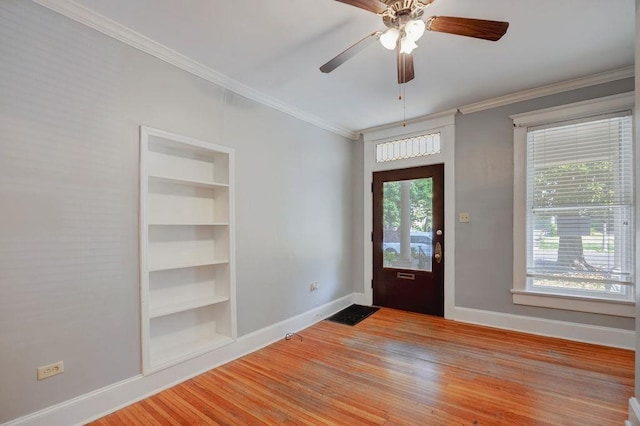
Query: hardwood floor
{"type": "Point", "coordinates": [399, 368]}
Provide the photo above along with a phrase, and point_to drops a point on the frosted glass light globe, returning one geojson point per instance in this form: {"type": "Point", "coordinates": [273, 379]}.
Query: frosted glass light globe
{"type": "Point", "coordinates": [407, 46]}
{"type": "Point", "coordinates": [414, 30]}
{"type": "Point", "coordinates": [389, 38]}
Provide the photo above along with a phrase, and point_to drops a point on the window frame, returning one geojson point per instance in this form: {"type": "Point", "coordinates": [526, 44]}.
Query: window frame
{"type": "Point", "coordinates": [522, 122]}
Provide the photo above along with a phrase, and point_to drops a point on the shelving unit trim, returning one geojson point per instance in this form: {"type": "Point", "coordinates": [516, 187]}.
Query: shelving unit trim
{"type": "Point", "coordinates": [187, 212]}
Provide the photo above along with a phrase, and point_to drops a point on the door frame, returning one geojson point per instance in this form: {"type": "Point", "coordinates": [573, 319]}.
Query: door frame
{"type": "Point", "coordinates": [445, 124]}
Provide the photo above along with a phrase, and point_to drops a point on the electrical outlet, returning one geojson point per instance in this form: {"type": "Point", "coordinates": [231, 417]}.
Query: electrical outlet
{"type": "Point", "coordinates": [50, 370]}
{"type": "Point", "coordinates": [314, 286]}
{"type": "Point", "coordinates": [464, 218]}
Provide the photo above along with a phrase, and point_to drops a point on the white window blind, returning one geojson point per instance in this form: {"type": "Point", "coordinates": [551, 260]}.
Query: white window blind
{"type": "Point", "coordinates": [580, 207]}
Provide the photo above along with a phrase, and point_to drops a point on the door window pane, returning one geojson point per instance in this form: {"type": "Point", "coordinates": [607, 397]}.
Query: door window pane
{"type": "Point", "coordinates": [407, 224]}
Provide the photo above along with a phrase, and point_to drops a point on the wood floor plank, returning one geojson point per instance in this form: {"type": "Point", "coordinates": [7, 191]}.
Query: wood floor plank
{"type": "Point", "coordinates": [400, 368]}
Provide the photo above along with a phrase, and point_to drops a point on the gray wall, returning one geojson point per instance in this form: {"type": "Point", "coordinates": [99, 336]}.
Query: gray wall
{"type": "Point", "coordinates": [484, 188]}
{"type": "Point", "coordinates": [71, 103]}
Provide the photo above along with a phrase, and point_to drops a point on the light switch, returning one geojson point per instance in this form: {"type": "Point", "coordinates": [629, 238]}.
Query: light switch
{"type": "Point", "coordinates": [464, 218]}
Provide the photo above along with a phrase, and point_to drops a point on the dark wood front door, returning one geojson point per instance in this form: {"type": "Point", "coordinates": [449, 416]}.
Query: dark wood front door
{"type": "Point", "coordinates": [408, 239]}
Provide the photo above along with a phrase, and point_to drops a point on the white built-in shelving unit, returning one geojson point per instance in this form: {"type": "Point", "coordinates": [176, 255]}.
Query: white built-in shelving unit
{"type": "Point", "coordinates": [187, 248]}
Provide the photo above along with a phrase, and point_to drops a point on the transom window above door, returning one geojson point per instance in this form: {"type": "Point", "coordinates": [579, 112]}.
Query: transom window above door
{"type": "Point", "coordinates": [416, 146]}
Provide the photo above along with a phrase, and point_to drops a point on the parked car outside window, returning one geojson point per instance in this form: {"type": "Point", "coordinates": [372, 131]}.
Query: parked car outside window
{"type": "Point", "coordinates": [421, 244]}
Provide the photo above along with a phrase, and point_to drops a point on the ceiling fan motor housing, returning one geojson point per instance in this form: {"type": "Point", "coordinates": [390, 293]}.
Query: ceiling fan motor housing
{"type": "Point", "coordinates": [397, 7]}
{"type": "Point", "coordinates": [400, 12]}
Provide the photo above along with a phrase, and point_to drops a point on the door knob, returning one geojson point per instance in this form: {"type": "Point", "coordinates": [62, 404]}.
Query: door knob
{"type": "Point", "coordinates": [438, 254]}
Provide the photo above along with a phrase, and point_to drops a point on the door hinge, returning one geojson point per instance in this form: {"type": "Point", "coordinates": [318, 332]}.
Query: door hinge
{"type": "Point", "coordinates": [371, 186]}
{"type": "Point", "coordinates": [371, 283]}
{"type": "Point", "coordinates": [371, 236]}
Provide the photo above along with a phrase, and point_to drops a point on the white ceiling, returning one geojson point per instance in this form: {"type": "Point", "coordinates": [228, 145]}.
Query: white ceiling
{"type": "Point", "coordinates": [275, 47]}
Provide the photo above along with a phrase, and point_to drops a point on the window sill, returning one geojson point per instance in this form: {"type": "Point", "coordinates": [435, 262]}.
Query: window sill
{"type": "Point", "coordinates": [618, 308]}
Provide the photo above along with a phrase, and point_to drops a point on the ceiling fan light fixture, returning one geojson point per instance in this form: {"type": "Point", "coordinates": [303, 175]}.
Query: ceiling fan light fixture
{"type": "Point", "coordinates": [405, 26]}
{"type": "Point", "coordinates": [389, 38]}
{"type": "Point", "coordinates": [414, 30]}
{"type": "Point", "coordinates": [407, 46]}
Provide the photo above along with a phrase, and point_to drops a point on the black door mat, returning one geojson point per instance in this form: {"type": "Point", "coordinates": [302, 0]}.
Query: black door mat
{"type": "Point", "coordinates": [352, 314]}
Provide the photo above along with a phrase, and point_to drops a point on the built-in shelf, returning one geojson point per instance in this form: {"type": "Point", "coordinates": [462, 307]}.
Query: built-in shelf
{"type": "Point", "coordinates": [166, 356]}
{"type": "Point", "coordinates": [185, 306]}
{"type": "Point", "coordinates": [187, 248]}
{"type": "Point", "coordinates": [187, 182]}
{"type": "Point", "coordinates": [190, 224]}
{"type": "Point", "coordinates": [178, 265]}
{"type": "Point", "coordinates": [186, 203]}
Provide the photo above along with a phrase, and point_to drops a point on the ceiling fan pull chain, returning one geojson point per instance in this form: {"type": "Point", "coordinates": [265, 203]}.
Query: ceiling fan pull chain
{"type": "Point", "coordinates": [404, 105]}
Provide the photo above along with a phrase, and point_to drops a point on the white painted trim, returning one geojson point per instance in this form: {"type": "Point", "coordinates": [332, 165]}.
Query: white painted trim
{"type": "Point", "coordinates": [96, 404]}
{"type": "Point", "coordinates": [445, 124]}
{"type": "Point", "coordinates": [519, 208]}
{"type": "Point", "coordinates": [450, 222]}
{"type": "Point", "coordinates": [146, 133]}
{"type": "Point", "coordinates": [143, 247]}
{"type": "Point", "coordinates": [43, 416]}
{"type": "Point", "coordinates": [604, 105]}
{"type": "Point", "coordinates": [620, 308]}
{"type": "Point", "coordinates": [360, 299]}
{"type": "Point", "coordinates": [521, 122]}
{"type": "Point", "coordinates": [634, 412]}
{"type": "Point", "coordinates": [606, 336]}
{"type": "Point", "coordinates": [550, 89]}
{"type": "Point", "coordinates": [93, 20]}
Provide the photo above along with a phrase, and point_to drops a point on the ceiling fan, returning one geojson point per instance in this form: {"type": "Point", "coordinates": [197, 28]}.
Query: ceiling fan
{"type": "Point", "coordinates": [403, 19]}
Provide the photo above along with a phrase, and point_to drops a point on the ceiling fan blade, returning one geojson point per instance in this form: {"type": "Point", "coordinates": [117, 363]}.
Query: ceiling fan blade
{"type": "Point", "coordinates": [375, 6]}
{"type": "Point", "coordinates": [405, 67]}
{"type": "Point", "coordinates": [478, 28]}
{"type": "Point", "coordinates": [350, 52]}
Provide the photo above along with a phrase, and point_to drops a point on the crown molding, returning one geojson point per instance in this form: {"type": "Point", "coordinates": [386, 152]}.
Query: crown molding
{"type": "Point", "coordinates": [119, 32]}
{"type": "Point", "coordinates": [591, 107]}
{"type": "Point", "coordinates": [551, 89]}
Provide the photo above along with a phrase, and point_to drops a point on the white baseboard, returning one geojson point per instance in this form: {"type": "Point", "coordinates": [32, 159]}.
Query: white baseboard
{"type": "Point", "coordinates": [634, 413]}
{"type": "Point", "coordinates": [360, 299]}
{"type": "Point", "coordinates": [96, 404]}
{"type": "Point", "coordinates": [606, 336]}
